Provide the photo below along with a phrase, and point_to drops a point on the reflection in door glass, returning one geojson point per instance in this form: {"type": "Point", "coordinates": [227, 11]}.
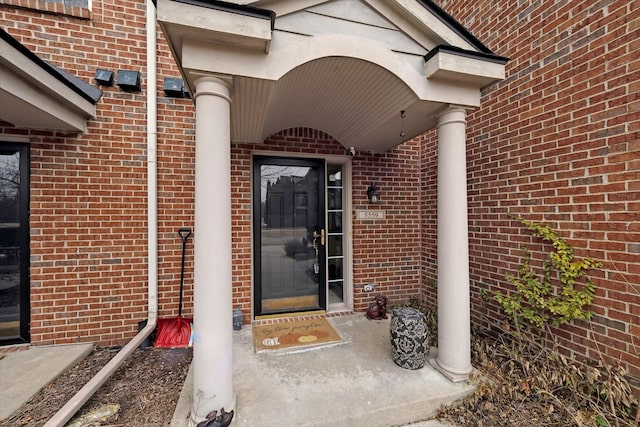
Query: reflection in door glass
{"type": "Point", "coordinates": [9, 245]}
{"type": "Point", "coordinates": [290, 255]}
{"type": "Point", "coordinates": [335, 252]}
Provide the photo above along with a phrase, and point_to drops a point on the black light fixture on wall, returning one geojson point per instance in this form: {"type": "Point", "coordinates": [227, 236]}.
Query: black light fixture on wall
{"type": "Point", "coordinates": [129, 81]}
{"type": "Point", "coordinates": [174, 87]}
{"type": "Point", "coordinates": [104, 77]}
{"type": "Point", "coordinates": [372, 194]}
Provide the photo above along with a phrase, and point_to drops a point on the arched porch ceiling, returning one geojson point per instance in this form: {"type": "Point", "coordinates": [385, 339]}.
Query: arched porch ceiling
{"type": "Point", "coordinates": [346, 68]}
{"type": "Point", "coordinates": [355, 101]}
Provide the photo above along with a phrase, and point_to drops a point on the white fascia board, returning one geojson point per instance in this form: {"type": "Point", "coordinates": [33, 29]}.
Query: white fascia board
{"type": "Point", "coordinates": [24, 79]}
{"type": "Point", "coordinates": [452, 66]}
{"type": "Point", "coordinates": [29, 106]}
{"type": "Point", "coordinates": [214, 25]}
{"type": "Point", "coordinates": [433, 23]}
{"type": "Point", "coordinates": [452, 92]}
{"type": "Point", "coordinates": [201, 56]}
{"type": "Point", "coordinates": [31, 72]}
{"type": "Point", "coordinates": [419, 23]}
{"type": "Point", "coordinates": [412, 27]}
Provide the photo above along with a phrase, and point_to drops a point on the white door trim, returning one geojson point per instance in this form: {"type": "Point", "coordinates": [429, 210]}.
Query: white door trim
{"type": "Point", "coordinates": [345, 161]}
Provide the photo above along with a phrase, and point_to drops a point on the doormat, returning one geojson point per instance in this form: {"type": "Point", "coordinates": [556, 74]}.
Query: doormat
{"type": "Point", "coordinates": [296, 333]}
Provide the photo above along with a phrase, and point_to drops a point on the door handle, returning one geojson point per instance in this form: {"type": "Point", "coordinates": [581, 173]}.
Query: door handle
{"type": "Point", "coordinates": [320, 235]}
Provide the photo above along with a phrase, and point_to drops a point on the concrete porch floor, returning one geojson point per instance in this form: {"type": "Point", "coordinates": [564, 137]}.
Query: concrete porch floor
{"type": "Point", "coordinates": [354, 383]}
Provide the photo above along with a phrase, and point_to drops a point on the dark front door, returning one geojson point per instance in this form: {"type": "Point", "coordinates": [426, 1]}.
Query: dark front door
{"type": "Point", "coordinates": [289, 254]}
{"type": "Point", "coordinates": [14, 243]}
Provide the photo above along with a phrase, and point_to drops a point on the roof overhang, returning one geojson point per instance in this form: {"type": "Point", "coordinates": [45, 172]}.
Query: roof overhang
{"type": "Point", "coordinates": [242, 27]}
{"type": "Point", "coordinates": [37, 95]}
{"type": "Point", "coordinates": [349, 85]}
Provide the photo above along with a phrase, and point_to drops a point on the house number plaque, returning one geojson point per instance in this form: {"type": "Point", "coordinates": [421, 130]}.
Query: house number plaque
{"type": "Point", "coordinates": [370, 214]}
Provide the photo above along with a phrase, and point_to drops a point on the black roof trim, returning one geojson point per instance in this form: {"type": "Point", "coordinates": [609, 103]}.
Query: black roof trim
{"type": "Point", "coordinates": [241, 9]}
{"type": "Point", "coordinates": [82, 88]}
{"type": "Point", "coordinates": [454, 25]}
{"type": "Point", "coordinates": [467, 53]}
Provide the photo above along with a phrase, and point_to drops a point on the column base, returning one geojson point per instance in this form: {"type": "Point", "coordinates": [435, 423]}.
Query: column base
{"type": "Point", "coordinates": [194, 419]}
{"type": "Point", "coordinates": [451, 376]}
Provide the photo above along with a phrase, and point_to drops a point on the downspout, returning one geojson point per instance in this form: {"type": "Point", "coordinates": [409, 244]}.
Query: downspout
{"type": "Point", "coordinates": [89, 389]}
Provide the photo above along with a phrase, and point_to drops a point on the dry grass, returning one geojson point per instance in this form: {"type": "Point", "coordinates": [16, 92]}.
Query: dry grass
{"type": "Point", "coordinates": [524, 383]}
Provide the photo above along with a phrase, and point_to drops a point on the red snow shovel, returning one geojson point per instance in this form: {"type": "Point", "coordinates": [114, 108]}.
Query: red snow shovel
{"type": "Point", "coordinates": [176, 333]}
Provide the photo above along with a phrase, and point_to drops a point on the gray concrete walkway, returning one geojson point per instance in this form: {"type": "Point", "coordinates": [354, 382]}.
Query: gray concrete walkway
{"type": "Point", "coordinates": [351, 384]}
{"type": "Point", "coordinates": [24, 372]}
{"type": "Point", "coordinates": [354, 383]}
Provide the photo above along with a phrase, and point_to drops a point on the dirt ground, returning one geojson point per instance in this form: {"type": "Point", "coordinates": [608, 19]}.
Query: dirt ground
{"type": "Point", "coordinates": [146, 388]}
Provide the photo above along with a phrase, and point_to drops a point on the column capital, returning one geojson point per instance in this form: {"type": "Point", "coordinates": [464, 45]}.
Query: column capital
{"type": "Point", "coordinates": [213, 86]}
{"type": "Point", "coordinates": [452, 114]}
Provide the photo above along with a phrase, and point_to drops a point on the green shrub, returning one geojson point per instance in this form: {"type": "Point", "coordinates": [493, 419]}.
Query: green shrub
{"type": "Point", "coordinates": [537, 300]}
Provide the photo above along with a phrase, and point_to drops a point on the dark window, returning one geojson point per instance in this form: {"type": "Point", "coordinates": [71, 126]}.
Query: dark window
{"type": "Point", "coordinates": [14, 243]}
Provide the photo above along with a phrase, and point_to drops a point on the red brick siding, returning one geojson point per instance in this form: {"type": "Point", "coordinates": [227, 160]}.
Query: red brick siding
{"type": "Point", "coordinates": [50, 7]}
{"type": "Point", "coordinates": [558, 142]}
{"type": "Point", "coordinates": [387, 251]}
{"type": "Point", "coordinates": [88, 202]}
{"type": "Point", "coordinates": [429, 222]}
{"type": "Point", "coordinates": [89, 192]}
{"type": "Point", "coordinates": [384, 251]}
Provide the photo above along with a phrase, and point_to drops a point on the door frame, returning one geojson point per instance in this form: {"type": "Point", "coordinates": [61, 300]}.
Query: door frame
{"type": "Point", "coordinates": [315, 163]}
{"type": "Point", "coordinates": [346, 162]}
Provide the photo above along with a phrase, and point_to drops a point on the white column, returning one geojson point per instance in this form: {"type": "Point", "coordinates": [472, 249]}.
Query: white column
{"type": "Point", "coordinates": [213, 340]}
{"type": "Point", "coordinates": [454, 330]}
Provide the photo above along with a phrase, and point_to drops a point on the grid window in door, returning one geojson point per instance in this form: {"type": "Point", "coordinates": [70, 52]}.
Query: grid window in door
{"type": "Point", "coordinates": [335, 234]}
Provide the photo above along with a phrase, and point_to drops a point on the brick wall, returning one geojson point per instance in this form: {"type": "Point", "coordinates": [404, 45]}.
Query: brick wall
{"type": "Point", "coordinates": [558, 142]}
{"type": "Point", "coordinates": [385, 251]}
{"type": "Point", "coordinates": [429, 221]}
{"type": "Point", "coordinates": [89, 192]}
{"type": "Point", "coordinates": [77, 8]}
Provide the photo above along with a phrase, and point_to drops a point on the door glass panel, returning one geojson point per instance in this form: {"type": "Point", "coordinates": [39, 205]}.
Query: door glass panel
{"type": "Point", "coordinates": [334, 245]}
{"type": "Point", "coordinates": [335, 269]}
{"type": "Point", "coordinates": [335, 250]}
{"type": "Point", "coordinates": [335, 222]}
{"type": "Point", "coordinates": [335, 198]}
{"type": "Point", "coordinates": [10, 232]}
{"type": "Point", "coordinates": [291, 257]}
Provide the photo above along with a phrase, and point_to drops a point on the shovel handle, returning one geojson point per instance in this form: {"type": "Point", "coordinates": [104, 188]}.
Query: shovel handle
{"type": "Point", "coordinates": [184, 233]}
